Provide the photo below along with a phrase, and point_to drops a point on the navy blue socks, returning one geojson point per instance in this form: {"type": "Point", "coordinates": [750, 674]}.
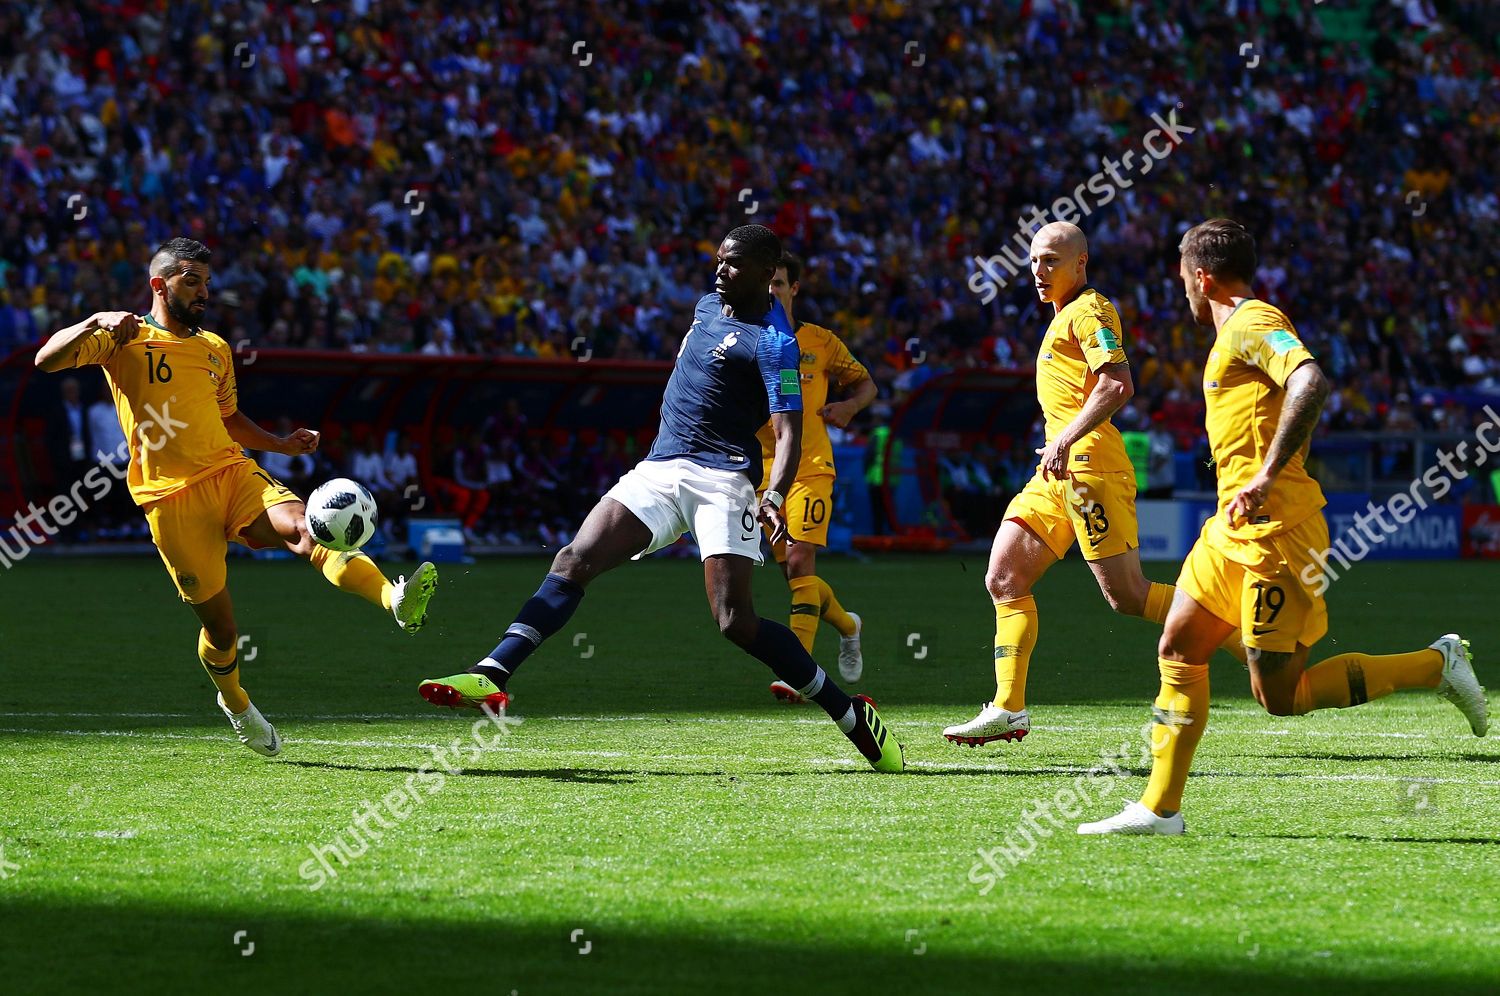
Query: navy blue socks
{"type": "Point", "coordinates": [544, 614]}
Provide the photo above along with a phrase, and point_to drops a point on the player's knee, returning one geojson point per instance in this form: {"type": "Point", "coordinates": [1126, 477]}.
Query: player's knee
{"type": "Point", "coordinates": [800, 561]}
{"type": "Point", "coordinates": [1004, 584]}
{"type": "Point", "coordinates": [1127, 603]}
{"type": "Point", "coordinates": [222, 636]}
{"type": "Point", "coordinates": [1167, 649]}
{"type": "Point", "coordinates": [1276, 701]}
{"type": "Point", "coordinates": [570, 563]}
{"type": "Point", "coordinates": [737, 625]}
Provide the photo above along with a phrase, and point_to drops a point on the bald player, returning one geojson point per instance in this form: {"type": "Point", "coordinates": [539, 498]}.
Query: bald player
{"type": "Point", "coordinates": [1084, 486]}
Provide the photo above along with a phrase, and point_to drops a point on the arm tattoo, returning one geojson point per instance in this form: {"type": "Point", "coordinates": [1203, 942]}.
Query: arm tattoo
{"type": "Point", "coordinates": [1300, 411]}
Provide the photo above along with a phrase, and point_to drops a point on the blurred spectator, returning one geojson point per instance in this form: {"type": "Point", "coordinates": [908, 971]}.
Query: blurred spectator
{"type": "Point", "coordinates": [68, 444]}
{"type": "Point", "coordinates": [1161, 462]}
{"type": "Point", "coordinates": [546, 212]}
{"type": "Point", "coordinates": [368, 468]}
{"type": "Point", "coordinates": [296, 472]}
{"type": "Point", "coordinates": [115, 513]}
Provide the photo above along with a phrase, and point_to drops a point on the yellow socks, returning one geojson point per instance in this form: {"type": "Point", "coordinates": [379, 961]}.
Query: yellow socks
{"type": "Point", "coordinates": [1180, 714]}
{"type": "Point", "coordinates": [353, 572]}
{"type": "Point", "coordinates": [1353, 679]}
{"type": "Point", "coordinates": [224, 670]}
{"type": "Point", "coordinates": [1158, 603]}
{"type": "Point", "coordinates": [1015, 636]}
{"type": "Point", "coordinates": [805, 610]}
{"type": "Point", "coordinates": [833, 613]}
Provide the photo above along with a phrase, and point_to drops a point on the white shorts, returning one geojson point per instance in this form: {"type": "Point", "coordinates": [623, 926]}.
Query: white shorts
{"type": "Point", "coordinates": [673, 497]}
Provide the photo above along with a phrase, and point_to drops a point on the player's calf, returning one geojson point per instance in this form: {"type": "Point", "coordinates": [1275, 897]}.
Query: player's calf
{"type": "Point", "coordinates": [218, 657]}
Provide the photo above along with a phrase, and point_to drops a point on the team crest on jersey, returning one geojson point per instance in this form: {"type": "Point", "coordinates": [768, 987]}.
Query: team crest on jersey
{"type": "Point", "coordinates": [726, 344]}
{"type": "Point", "coordinates": [212, 359]}
{"type": "Point", "coordinates": [1046, 356]}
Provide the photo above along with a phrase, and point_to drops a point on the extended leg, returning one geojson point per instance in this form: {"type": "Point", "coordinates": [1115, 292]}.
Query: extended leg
{"type": "Point", "coordinates": [609, 537]}
{"type": "Point", "coordinates": [727, 580]}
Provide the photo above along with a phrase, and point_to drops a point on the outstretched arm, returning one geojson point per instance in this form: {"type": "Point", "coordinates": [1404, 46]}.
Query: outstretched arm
{"type": "Point", "coordinates": [1306, 391]}
{"type": "Point", "coordinates": [243, 430]}
{"type": "Point", "coordinates": [1113, 388]}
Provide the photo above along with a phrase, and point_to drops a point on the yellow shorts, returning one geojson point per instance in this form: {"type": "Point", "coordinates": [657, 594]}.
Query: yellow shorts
{"type": "Point", "coordinates": [1260, 585]}
{"type": "Point", "coordinates": [1096, 509]}
{"type": "Point", "coordinates": [192, 528]}
{"type": "Point", "coordinates": [809, 505]}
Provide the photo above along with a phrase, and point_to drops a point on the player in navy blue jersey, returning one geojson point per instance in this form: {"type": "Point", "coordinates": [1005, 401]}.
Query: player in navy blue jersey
{"type": "Point", "coordinates": [736, 368]}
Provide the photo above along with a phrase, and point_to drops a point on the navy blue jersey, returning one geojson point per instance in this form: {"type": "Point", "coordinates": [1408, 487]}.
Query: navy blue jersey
{"type": "Point", "coordinates": [729, 378]}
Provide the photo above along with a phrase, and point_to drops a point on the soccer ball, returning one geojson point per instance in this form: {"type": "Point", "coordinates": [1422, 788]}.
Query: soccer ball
{"type": "Point", "coordinates": [341, 515]}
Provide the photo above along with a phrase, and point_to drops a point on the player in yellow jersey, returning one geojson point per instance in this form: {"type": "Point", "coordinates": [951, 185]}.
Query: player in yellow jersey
{"type": "Point", "coordinates": [174, 391]}
{"type": "Point", "coordinates": [1084, 486]}
{"type": "Point", "coordinates": [1256, 562]}
{"type": "Point", "coordinates": [825, 362]}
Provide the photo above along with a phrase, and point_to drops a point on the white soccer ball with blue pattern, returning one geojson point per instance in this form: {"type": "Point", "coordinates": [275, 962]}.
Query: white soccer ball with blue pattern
{"type": "Point", "coordinates": [341, 515]}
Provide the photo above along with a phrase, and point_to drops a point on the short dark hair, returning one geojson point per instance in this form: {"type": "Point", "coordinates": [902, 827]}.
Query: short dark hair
{"type": "Point", "coordinates": [1221, 248]}
{"type": "Point", "coordinates": [170, 259]}
{"type": "Point", "coordinates": [759, 242]}
{"type": "Point", "coordinates": [793, 267]}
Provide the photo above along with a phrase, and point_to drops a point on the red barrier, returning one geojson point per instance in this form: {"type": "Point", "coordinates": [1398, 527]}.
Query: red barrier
{"type": "Point", "coordinates": [350, 396]}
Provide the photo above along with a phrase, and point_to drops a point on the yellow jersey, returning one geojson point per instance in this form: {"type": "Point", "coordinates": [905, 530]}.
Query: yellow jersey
{"type": "Point", "coordinates": [172, 395]}
{"type": "Point", "coordinates": [1083, 338]}
{"type": "Point", "coordinates": [825, 360]}
{"type": "Point", "coordinates": [1244, 384]}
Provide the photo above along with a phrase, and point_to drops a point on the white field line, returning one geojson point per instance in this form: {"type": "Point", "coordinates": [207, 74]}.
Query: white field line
{"type": "Point", "coordinates": [718, 759]}
{"type": "Point", "coordinates": [686, 720]}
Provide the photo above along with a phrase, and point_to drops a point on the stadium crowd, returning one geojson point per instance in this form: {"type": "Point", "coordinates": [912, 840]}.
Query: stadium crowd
{"type": "Point", "coordinates": [540, 179]}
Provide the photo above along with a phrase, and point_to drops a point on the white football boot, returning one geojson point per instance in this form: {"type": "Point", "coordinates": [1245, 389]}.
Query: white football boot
{"type": "Point", "coordinates": [1136, 819]}
{"type": "Point", "coordinates": [851, 657]}
{"type": "Point", "coordinates": [253, 730]}
{"type": "Point", "coordinates": [1459, 685]}
{"type": "Point", "coordinates": [992, 723]}
{"type": "Point", "coordinates": [411, 595]}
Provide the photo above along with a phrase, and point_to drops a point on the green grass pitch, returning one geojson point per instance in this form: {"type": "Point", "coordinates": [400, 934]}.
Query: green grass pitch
{"type": "Point", "coordinates": [659, 824]}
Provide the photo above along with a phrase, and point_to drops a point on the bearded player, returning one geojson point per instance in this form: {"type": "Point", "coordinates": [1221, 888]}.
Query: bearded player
{"type": "Point", "coordinates": [174, 390]}
{"type": "Point", "coordinates": [825, 362]}
{"type": "Point", "coordinates": [1256, 561]}
{"type": "Point", "coordinates": [1084, 487]}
